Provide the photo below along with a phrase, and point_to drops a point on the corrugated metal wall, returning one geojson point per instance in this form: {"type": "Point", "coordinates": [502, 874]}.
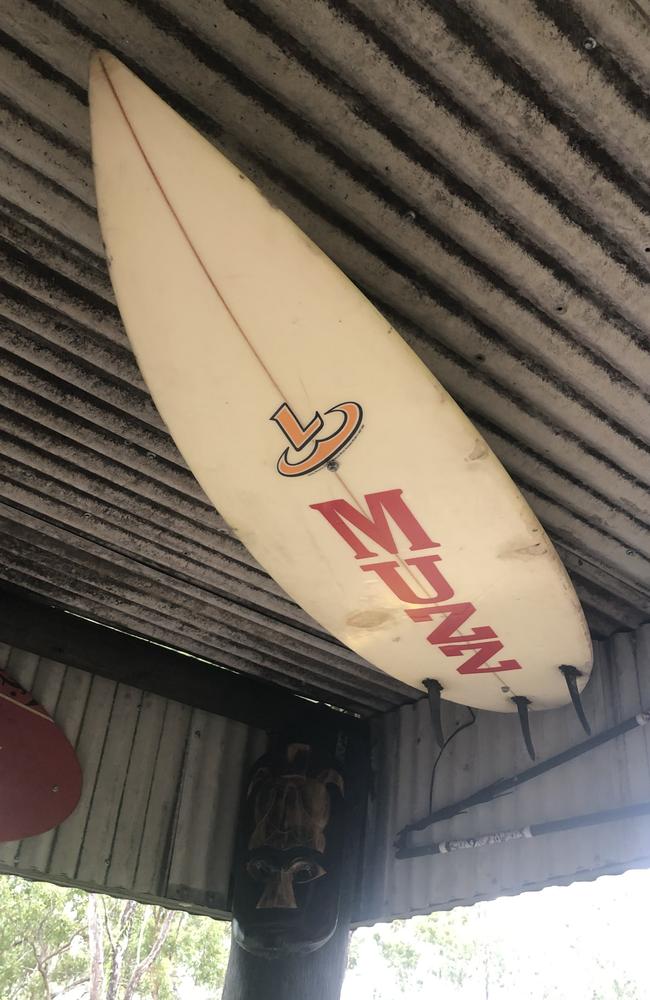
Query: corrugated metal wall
{"type": "Point", "coordinates": [478, 167]}
{"type": "Point", "coordinates": [161, 790]}
{"type": "Point", "coordinates": [614, 775]}
{"type": "Point", "coordinates": [163, 782]}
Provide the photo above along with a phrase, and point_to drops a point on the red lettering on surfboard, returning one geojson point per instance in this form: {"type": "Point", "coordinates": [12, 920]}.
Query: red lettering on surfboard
{"type": "Point", "coordinates": [390, 573]}
{"type": "Point", "coordinates": [455, 616]}
{"type": "Point", "coordinates": [480, 641]}
{"type": "Point", "coordinates": [484, 652]}
{"type": "Point", "coordinates": [375, 526]}
{"type": "Point", "coordinates": [487, 646]}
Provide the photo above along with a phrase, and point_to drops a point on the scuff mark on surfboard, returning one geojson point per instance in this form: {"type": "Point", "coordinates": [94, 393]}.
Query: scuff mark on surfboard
{"type": "Point", "coordinates": [480, 450]}
{"type": "Point", "coordinates": [371, 619]}
{"type": "Point", "coordinates": [524, 551]}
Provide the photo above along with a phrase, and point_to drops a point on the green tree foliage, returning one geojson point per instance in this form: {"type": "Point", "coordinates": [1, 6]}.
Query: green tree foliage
{"type": "Point", "coordinates": [584, 942]}
{"type": "Point", "coordinates": [62, 943]}
{"type": "Point", "coordinates": [205, 948]}
{"type": "Point", "coordinates": [41, 940]}
{"type": "Point", "coordinates": [442, 947]}
{"type": "Point", "coordinates": [453, 951]}
{"type": "Point", "coordinates": [400, 954]}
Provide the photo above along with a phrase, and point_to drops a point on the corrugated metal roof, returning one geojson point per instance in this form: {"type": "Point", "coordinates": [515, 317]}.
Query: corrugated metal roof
{"type": "Point", "coordinates": [162, 784]}
{"type": "Point", "coordinates": [614, 775]}
{"type": "Point", "coordinates": [478, 167]}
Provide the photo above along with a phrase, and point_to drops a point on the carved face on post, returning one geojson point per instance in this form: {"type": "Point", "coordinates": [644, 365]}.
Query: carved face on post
{"type": "Point", "coordinates": [287, 884]}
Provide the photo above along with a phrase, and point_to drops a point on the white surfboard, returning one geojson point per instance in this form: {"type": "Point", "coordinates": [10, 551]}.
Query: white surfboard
{"type": "Point", "coordinates": [342, 464]}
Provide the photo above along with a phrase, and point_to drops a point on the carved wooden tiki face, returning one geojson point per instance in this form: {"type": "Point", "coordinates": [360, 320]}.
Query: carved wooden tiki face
{"type": "Point", "coordinates": [287, 877]}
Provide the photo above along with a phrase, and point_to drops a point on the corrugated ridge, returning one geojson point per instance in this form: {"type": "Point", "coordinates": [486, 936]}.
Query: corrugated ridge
{"type": "Point", "coordinates": [623, 30]}
{"type": "Point", "coordinates": [87, 576]}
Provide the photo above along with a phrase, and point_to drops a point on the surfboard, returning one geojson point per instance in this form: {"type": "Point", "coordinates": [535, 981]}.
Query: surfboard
{"type": "Point", "coordinates": [332, 451]}
{"type": "Point", "coordinates": [40, 776]}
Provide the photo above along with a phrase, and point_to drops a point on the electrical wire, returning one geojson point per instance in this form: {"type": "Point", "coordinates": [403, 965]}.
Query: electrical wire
{"type": "Point", "coordinates": [444, 746]}
{"type": "Point", "coordinates": [504, 785]}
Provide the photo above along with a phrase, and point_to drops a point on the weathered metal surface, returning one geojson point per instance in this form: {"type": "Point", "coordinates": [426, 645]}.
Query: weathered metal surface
{"type": "Point", "coordinates": [162, 784]}
{"type": "Point", "coordinates": [613, 775]}
{"type": "Point", "coordinates": [478, 168]}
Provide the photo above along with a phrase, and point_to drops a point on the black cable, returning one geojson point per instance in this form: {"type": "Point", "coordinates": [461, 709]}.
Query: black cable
{"type": "Point", "coordinates": [503, 785]}
{"type": "Point", "coordinates": [444, 746]}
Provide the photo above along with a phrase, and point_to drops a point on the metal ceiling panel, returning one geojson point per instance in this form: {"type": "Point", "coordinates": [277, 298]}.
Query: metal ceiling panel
{"type": "Point", "coordinates": [612, 776]}
{"type": "Point", "coordinates": [478, 168]}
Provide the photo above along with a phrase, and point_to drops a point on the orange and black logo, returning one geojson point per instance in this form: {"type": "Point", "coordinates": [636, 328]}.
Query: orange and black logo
{"type": "Point", "coordinates": [308, 451]}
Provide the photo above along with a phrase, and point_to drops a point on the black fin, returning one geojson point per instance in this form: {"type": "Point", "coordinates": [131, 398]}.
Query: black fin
{"type": "Point", "coordinates": [571, 675]}
{"type": "Point", "coordinates": [522, 704]}
{"type": "Point", "coordinates": [434, 689]}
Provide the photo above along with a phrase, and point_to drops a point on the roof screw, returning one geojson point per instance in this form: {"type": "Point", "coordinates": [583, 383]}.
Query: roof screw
{"type": "Point", "coordinates": [590, 44]}
{"type": "Point", "coordinates": [55, 788]}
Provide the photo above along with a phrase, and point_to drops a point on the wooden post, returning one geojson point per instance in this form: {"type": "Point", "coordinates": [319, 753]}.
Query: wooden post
{"type": "Point", "coordinates": [318, 975]}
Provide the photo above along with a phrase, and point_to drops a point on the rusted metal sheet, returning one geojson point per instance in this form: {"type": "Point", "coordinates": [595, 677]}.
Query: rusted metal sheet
{"type": "Point", "coordinates": [478, 168]}
{"type": "Point", "coordinates": [614, 775]}
{"type": "Point", "coordinates": [162, 784]}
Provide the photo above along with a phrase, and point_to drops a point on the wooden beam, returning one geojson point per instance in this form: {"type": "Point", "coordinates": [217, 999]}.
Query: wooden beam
{"type": "Point", "coordinates": [53, 633]}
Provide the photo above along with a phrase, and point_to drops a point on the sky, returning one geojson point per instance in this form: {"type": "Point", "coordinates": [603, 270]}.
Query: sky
{"type": "Point", "coordinates": [587, 941]}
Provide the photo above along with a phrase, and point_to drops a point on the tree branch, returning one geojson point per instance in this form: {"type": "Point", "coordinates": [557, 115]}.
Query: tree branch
{"type": "Point", "coordinates": [107, 925]}
{"type": "Point", "coordinates": [43, 973]}
{"type": "Point", "coordinates": [19, 988]}
{"type": "Point", "coordinates": [96, 948]}
{"type": "Point", "coordinates": [143, 926]}
{"type": "Point", "coordinates": [146, 963]}
{"type": "Point", "coordinates": [127, 914]}
{"type": "Point", "coordinates": [121, 945]}
{"type": "Point", "coordinates": [70, 987]}
{"type": "Point", "coordinates": [64, 947]}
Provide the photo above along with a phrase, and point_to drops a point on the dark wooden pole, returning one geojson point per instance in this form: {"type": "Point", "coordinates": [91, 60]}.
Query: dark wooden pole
{"type": "Point", "coordinates": [319, 975]}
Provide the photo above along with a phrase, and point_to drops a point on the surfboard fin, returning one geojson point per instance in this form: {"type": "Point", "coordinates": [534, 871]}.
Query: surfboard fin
{"type": "Point", "coordinates": [522, 704]}
{"type": "Point", "coordinates": [434, 689]}
{"type": "Point", "coordinates": [571, 675]}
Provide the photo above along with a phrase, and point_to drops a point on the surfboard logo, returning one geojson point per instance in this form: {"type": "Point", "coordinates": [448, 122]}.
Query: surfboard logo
{"type": "Point", "coordinates": [308, 451]}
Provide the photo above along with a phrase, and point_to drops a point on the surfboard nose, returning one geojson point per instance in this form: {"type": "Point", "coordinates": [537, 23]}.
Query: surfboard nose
{"type": "Point", "coordinates": [103, 68]}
